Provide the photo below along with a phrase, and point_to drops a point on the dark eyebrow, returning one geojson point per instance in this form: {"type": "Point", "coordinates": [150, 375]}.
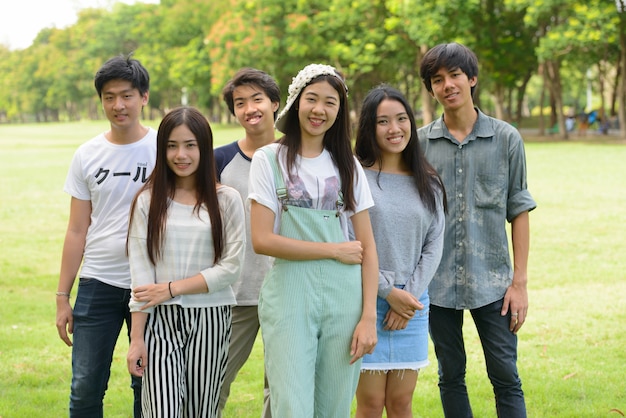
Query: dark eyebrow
{"type": "Point", "coordinates": [121, 92]}
{"type": "Point", "coordinates": [186, 141]}
{"type": "Point", "coordinates": [252, 96]}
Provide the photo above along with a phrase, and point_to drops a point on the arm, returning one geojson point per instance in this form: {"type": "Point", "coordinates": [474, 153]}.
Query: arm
{"type": "Point", "coordinates": [150, 295]}
{"type": "Point", "coordinates": [364, 337]}
{"type": "Point", "coordinates": [228, 268]}
{"type": "Point", "coordinates": [432, 250]}
{"type": "Point", "coordinates": [404, 302]}
{"type": "Point", "coordinates": [214, 278]}
{"type": "Point", "coordinates": [266, 242]}
{"type": "Point", "coordinates": [142, 271]}
{"type": "Point", "coordinates": [137, 357]}
{"type": "Point", "coordinates": [73, 249]}
{"type": "Point", "coordinates": [516, 296]}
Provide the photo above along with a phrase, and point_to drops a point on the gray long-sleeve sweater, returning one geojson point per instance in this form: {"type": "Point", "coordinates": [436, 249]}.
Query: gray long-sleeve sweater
{"type": "Point", "coordinates": [409, 238]}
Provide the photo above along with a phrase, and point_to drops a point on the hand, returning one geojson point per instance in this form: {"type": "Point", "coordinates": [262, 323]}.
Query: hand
{"type": "Point", "coordinates": [364, 340]}
{"type": "Point", "coordinates": [65, 319]}
{"type": "Point", "coordinates": [137, 358]}
{"type": "Point", "coordinates": [350, 252]}
{"type": "Point", "coordinates": [403, 303]}
{"type": "Point", "coordinates": [516, 302]}
{"type": "Point", "coordinates": [151, 294]}
{"type": "Point", "coordinates": [394, 322]}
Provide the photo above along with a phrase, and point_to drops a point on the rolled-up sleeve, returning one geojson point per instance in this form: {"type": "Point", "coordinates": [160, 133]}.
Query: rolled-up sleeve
{"type": "Point", "coordinates": [519, 198]}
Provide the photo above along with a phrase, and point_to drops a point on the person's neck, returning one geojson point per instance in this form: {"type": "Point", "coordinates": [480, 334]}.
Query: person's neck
{"type": "Point", "coordinates": [393, 164]}
{"type": "Point", "coordinates": [311, 147]}
{"type": "Point", "coordinates": [126, 135]}
{"type": "Point", "coordinates": [185, 191]}
{"type": "Point", "coordinates": [251, 142]}
{"type": "Point", "coordinates": [460, 122]}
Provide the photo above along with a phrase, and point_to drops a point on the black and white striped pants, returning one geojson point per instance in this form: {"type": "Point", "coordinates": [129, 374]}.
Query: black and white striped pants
{"type": "Point", "coordinates": [187, 354]}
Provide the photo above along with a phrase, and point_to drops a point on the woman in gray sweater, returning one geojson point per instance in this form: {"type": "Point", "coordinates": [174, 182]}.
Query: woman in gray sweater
{"type": "Point", "coordinates": [408, 224]}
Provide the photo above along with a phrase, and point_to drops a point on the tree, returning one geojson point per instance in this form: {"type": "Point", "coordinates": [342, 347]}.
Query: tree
{"type": "Point", "coordinates": [192, 47]}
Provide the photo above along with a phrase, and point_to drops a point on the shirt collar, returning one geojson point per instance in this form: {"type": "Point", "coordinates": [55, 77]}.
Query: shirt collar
{"type": "Point", "coordinates": [482, 129]}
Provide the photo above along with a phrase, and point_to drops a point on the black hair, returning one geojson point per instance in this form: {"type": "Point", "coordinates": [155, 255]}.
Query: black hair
{"type": "Point", "coordinates": [368, 152]}
{"type": "Point", "coordinates": [162, 181]}
{"type": "Point", "coordinates": [123, 67]}
{"type": "Point", "coordinates": [251, 76]}
{"type": "Point", "coordinates": [450, 56]}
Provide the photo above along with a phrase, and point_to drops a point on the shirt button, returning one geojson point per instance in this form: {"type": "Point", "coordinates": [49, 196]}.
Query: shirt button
{"type": "Point", "coordinates": [460, 170]}
{"type": "Point", "coordinates": [460, 194]}
{"type": "Point", "coordinates": [460, 219]}
{"type": "Point", "coordinates": [461, 268]}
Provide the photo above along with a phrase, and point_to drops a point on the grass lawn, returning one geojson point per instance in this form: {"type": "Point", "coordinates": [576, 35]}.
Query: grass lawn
{"type": "Point", "coordinates": [572, 355]}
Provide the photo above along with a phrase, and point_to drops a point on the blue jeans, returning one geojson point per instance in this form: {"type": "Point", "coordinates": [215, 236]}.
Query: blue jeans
{"type": "Point", "coordinates": [99, 312]}
{"type": "Point", "coordinates": [500, 351]}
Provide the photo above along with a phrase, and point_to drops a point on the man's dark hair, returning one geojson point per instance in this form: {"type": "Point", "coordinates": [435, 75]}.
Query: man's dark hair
{"type": "Point", "coordinates": [253, 77]}
{"type": "Point", "coordinates": [449, 56]}
{"type": "Point", "coordinates": [123, 67]}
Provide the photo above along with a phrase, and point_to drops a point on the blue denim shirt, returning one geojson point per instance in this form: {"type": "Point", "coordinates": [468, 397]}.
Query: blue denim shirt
{"type": "Point", "coordinates": [485, 180]}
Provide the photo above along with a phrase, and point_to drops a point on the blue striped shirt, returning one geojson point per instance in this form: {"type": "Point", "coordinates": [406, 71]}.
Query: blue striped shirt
{"type": "Point", "coordinates": [485, 181]}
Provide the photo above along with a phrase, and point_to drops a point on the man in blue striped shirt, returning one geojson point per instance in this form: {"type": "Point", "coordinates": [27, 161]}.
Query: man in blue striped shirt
{"type": "Point", "coordinates": [482, 163]}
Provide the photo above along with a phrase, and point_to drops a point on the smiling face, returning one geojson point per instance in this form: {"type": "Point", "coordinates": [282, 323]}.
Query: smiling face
{"type": "Point", "coordinates": [183, 154]}
{"type": "Point", "coordinates": [452, 88]}
{"type": "Point", "coordinates": [122, 103]}
{"type": "Point", "coordinates": [253, 108]}
{"type": "Point", "coordinates": [317, 110]}
{"type": "Point", "coordinates": [393, 127]}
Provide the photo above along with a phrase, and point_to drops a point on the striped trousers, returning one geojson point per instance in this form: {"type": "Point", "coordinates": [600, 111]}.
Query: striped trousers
{"type": "Point", "coordinates": [187, 354]}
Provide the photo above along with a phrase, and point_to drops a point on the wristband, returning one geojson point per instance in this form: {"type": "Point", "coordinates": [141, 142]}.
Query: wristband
{"type": "Point", "coordinates": [63, 294]}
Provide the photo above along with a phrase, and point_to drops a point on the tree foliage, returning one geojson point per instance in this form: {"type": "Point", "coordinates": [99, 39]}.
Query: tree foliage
{"type": "Point", "coordinates": [192, 47]}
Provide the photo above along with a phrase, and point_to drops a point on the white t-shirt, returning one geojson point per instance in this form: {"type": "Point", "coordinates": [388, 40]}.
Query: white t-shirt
{"type": "Point", "coordinates": [109, 175]}
{"type": "Point", "coordinates": [315, 185]}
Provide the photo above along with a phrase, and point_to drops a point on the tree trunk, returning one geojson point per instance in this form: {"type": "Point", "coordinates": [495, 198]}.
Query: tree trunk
{"type": "Point", "coordinates": [521, 93]}
{"type": "Point", "coordinates": [621, 91]}
{"type": "Point", "coordinates": [542, 99]}
{"type": "Point", "coordinates": [615, 89]}
{"type": "Point", "coordinates": [499, 101]}
{"type": "Point", "coordinates": [554, 76]}
{"type": "Point", "coordinates": [428, 109]}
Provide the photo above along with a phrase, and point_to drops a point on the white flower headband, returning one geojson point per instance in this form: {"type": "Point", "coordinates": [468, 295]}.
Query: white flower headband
{"type": "Point", "coordinates": [299, 82]}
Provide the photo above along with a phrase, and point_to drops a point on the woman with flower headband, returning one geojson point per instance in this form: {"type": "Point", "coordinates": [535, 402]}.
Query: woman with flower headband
{"type": "Point", "coordinates": [317, 306]}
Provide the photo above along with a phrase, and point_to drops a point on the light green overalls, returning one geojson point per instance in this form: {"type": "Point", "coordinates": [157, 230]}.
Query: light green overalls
{"type": "Point", "coordinates": [308, 311]}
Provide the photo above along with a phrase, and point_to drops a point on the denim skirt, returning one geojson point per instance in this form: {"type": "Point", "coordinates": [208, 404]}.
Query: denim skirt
{"type": "Point", "coordinates": [402, 349]}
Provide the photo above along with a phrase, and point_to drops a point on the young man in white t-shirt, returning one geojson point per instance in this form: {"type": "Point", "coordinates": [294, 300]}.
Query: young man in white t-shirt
{"type": "Point", "coordinates": [105, 174]}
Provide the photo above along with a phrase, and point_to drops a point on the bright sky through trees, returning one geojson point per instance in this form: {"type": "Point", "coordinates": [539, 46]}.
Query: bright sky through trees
{"type": "Point", "coordinates": [21, 21]}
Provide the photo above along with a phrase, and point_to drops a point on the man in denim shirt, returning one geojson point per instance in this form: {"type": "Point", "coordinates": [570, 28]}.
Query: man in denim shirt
{"type": "Point", "coordinates": [482, 163]}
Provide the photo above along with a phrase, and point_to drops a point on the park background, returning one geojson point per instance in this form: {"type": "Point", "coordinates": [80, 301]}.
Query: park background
{"type": "Point", "coordinates": [540, 61]}
{"type": "Point", "coordinates": [547, 58]}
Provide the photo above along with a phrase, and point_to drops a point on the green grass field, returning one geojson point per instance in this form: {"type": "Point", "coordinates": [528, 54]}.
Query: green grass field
{"type": "Point", "coordinates": [572, 348]}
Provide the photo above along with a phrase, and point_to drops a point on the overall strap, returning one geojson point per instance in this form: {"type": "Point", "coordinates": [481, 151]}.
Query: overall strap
{"type": "Point", "coordinates": [279, 181]}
